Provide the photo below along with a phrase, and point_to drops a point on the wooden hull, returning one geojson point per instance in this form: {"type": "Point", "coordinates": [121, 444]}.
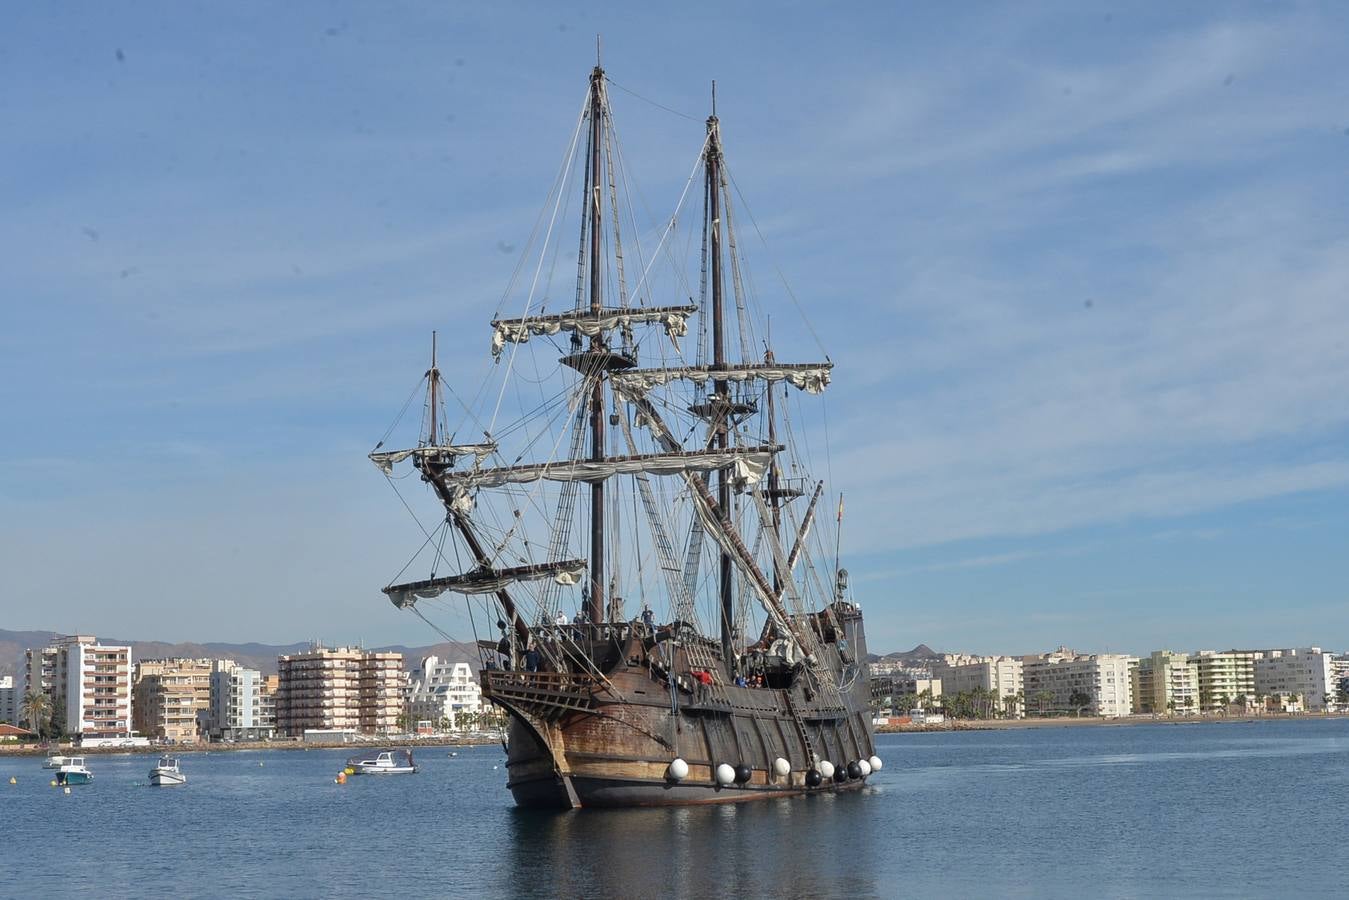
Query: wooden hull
{"type": "Point", "coordinates": [619, 754]}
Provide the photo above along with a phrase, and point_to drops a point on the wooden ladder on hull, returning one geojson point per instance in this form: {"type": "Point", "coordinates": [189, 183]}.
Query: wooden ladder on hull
{"type": "Point", "coordinates": [801, 729]}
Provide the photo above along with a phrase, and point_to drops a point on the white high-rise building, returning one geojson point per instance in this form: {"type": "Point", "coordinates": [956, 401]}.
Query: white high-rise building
{"type": "Point", "coordinates": [239, 710]}
{"type": "Point", "coordinates": [443, 692]}
{"type": "Point", "coordinates": [1306, 673]}
{"type": "Point", "coordinates": [1068, 682]}
{"type": "Point", "coordinates": [90, 682]}
{"type": "Point", "coordinates": [1224, 678]}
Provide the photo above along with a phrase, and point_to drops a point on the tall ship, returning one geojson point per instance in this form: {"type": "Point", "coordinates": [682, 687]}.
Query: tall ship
{"type": "Point", "coordinates": [624, 513]}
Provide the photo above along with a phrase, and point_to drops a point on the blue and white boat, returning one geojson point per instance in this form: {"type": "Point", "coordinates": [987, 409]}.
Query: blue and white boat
{"type": "Point", "coordinates": [74, 772]}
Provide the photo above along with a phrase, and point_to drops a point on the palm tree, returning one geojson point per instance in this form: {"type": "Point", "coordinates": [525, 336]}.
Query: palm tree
{"type": "Point", "coordinates": [37, 709]}
{"type": "Point", "coordinates": [1044, 698]}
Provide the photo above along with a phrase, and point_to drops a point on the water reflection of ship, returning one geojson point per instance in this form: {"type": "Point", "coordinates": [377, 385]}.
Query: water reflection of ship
{"type": "Point", "coordinates": [664, 452]}
{"type": "Point", "coordinates": [784, 847]}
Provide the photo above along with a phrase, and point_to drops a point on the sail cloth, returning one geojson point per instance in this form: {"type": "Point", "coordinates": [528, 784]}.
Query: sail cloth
{"type": "Point", "coordinates": [485, 581]}
{"type": "Point", "coordinates": [387, 459]}
{"type": "Point", "coordinates": [747, 465]}
{"type": "Point", "coordinates": [583, 321]}
{"type": "Point", "coordinates": [809, 377]}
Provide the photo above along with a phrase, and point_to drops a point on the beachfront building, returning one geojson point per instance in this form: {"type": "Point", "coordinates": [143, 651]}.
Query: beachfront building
{"type": "Point", "coordinates": [1065, 681]}
{"type": "Point", "coordinates": [1000, 675]}
{"type": "Point", "coordinates": [1339, 671]}
{"type": "Point", "coordinates": [1304, 675]}
{"type": "Point", "coordinates": [444, 693]}
{"type": "Point", "coordinates": [339, 689]}
{"type": "Point", "coordinates": [9, 701]}
{"type": "Point", "coordinates": [1225, 678]}
{"type": "Point", "coordinates": [167, 696]}
{"type": "Point", "coordinates": [239, 709]}
{"type": "Point", "coordinates": [89, 685]}
{"type": "Point", "coordinates": [904, 689]}
{"type": "Point", "coordinates": [1166, 682]}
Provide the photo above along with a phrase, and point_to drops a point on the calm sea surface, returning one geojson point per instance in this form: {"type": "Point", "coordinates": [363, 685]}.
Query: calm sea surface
{"type": "Point", "coordinates": [1225, 810]}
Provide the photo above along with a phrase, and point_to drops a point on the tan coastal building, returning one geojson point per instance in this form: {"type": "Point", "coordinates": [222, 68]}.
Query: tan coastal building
{"type": "Point", "coordinates": [89, 684]}
{"type": "Point", "coordinates": [1166, 682]}
{"type": "Point", "coordinates": [169, 696]}
{"type": "Point", "coordinates": [1065, 681]}
{"type": "Point", "coordinates": [1002, 675]}
{"type": "Point", "coordinates": [339, 689]}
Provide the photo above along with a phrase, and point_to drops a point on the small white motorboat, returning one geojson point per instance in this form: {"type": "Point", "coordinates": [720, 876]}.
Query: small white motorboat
{"type": "Point", "coordinates": [73, 771]}
{"type": "Point", "coordinates": [167, 773]}
{"type": "Point", "coordinates": [382, 762]}
{"type": "Point", "coordinates": [55, 760]}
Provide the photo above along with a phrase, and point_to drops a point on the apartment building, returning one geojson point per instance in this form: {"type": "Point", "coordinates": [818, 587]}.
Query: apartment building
{"type": "Point", "coordinates": [9, 701]}
{"type": "Point", "coordinates": [89, 684]}
{"type": "Point", "coordinates": [1064, 681]}
{"type": "Point", "coordinates": [339, 689]}
{"type": "Point", "coordinates": [242, 704]}
{"type": "Point", "coordinates": [1165, 683]}
{"type": "Point", "coordinates": [443, 692]}
{"type": "Point", "coordinates": [168, 697]}
{"type": "Point", "coordinates": [1003, 675]}
{"type": "Point", "coordinates": [1306, 674]}
{"type": "Point", "coordinates": [1224, 678]}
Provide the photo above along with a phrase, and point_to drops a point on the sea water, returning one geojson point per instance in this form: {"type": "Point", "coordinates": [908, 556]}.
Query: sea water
{"type": "Point", "coordinates": [1196, 810]}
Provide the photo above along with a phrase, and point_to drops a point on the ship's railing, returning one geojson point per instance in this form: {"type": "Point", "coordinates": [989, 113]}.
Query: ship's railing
{"type": "Point", "coordinates": [545, 693]}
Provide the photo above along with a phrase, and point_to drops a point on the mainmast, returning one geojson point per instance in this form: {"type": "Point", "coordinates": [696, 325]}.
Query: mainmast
{"type": "Point", "coordinates": [433, 379]}
{"type": "Point", "coordinates": [721, 405]}
{"type": "Point", "coordinates": [595, 600]}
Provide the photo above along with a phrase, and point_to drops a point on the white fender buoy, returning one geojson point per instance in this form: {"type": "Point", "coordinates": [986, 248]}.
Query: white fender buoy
{"type": "Point", "coordinates": [865, 767]}
{"type": "Point", "coordinates": [67, 790]}
{"type": "Point", "coordinates": [781, 767]}
{"type": "Point", "coordinates": [725, 774]}
{"type": "Point", "coordinates": [826, 769]}
{"type": "Point", "coordinates": [678, 770]}
{"type": "Point", "coordinates": [876, 765]}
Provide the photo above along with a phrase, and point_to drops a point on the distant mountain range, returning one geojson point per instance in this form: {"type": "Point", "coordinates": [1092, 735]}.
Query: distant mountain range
{"type": "Point", "coordinates": [254, 656]}
{"type": "Point", "coordinates": [918, 654]}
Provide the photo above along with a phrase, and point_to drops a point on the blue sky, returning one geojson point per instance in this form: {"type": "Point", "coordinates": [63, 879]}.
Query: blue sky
{"type": "Point", "coordinates": [1082, 267]}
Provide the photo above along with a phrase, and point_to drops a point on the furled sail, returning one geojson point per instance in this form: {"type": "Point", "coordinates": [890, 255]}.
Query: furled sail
{"type": "Point", "coordinates": [809, 377]}
{"type": "Point", "coordinates": [387, 459]}
{"type": "Point", "coordinates": [485, 581]}
{"type": "Point", "coordinates": [747, 465]}
{"type": "Point", "coordinates": [583, 321]}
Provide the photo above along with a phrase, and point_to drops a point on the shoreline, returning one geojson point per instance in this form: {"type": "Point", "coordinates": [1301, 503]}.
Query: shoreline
{"type": "Point", "coordinates": [9, 750]}
{"type": "Point", "coordinates": [1098, 722]}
